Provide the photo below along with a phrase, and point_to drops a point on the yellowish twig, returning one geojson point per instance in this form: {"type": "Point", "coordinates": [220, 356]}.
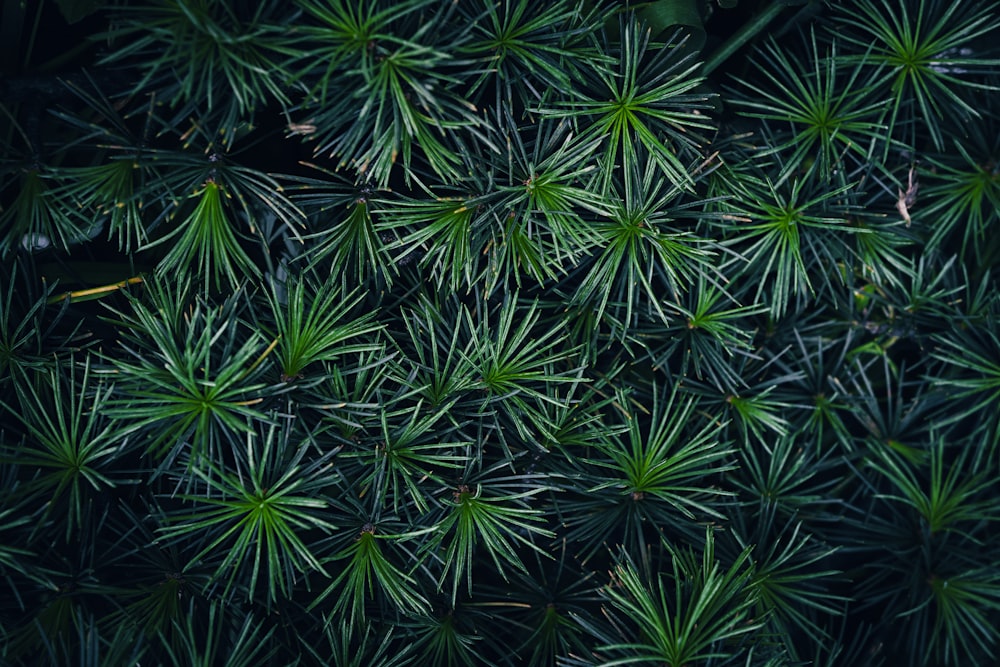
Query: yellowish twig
{"type": "Point", "coordinates": [95, 292]}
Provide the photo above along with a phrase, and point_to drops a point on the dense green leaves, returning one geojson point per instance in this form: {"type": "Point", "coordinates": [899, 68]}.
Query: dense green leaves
{"type": "Point", "coordinates": [927, 49]}
{"type": "Point", "coordinates": [493, 521]}
{"type": "Point", "coordinates": [685, 618]}
{"type": "Point", "coordinates": [189, 377]}
{"type": "Point", "coordinates": [835, 123]}
{"type": "Point", "coordinates": [400, 96]}
{"type": "Point", "coordinates": [204, 57]}
{"type": "Point", "coordinates": [70, 444]}
{"type": "Point", "coordinates": [388, 333]}
{"type": "Point", "coordinates": [255, 516]}
{"type": "Point", "coordinates": [646, 108]}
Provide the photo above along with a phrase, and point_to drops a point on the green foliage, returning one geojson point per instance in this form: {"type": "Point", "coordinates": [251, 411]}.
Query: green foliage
{"type": "Point", "coordinates": [30, 338]}
{"type": "Point", "coordinates": [657, 470]}
{"type": "Point", "coordinates": [963, 194]}
{"type": "Point", "coordinates": [190, 376]}
{"type": "Point", "coordinates": [396, 64]}
{"type": "Point", "coordinates": [523, 333]}
{"type": "Point", "coordinates": [835, 124]}
{"type": "Point", "coordinates": [787, 229]}
{"type": "Point", "coordinates": [704, 608]}
{"type": "Point", "coordinates": [70, 444]}
{"type": "Point", "coordinates": [209, 649]}
{"type": "Point", "coordinates": [35, 218]}
{"type": "Point", "coordinates": [367, 566]}
{"type": "Point", "coordinates": [254, 516]}
{"type": "Point", "coordinates": [494, 522]}
{"type": "Point", "coordinates": [202, 57]}
{"type": "Point", "coordinates": [975, 378]}
{"type": "Point", "coordinates": [311, 324]}
{"type": "Point", "coordinates": [645, 107]}
{"type": "Point", "coordinates": [928, 50]}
